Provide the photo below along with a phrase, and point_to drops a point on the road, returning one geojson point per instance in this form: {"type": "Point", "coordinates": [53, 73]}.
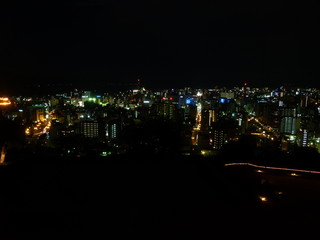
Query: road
{"type": "Point", "coordinates": [197, 126]}
{"type": "Point", "coordinates": [291, 198]}
{"type": "Point", "coordinates": [185, 197]}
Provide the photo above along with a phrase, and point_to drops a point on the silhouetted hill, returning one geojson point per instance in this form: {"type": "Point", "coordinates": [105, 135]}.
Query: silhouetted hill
{"type": "Point", "coordinates": [87, 195]}
{"type": "Point", "coordinates": [159, 195]}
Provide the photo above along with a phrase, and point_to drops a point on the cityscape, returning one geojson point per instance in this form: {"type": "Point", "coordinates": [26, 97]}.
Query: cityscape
{"type": "Point", "coordinates": [186, 121]}
{"type": "Point", "coordinates": [252, 144]}
{"type": "Point", "coordinates": [164, 119]}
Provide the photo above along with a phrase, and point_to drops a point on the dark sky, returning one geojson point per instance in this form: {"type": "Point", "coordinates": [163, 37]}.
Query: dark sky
{"type": "Point", "coordinates": [100, 43]}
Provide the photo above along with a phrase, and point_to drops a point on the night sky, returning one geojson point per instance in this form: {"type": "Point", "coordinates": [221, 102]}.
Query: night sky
{"type": "Point", "coordinates": [105, 43]}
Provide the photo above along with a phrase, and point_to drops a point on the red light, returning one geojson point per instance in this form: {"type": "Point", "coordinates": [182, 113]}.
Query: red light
{"type": "Point", "coordinates": [163, 98]}
{"type": "Point", "coordinates": [245, 84]}
{"type": "Point", "coordinates": [170, 98]}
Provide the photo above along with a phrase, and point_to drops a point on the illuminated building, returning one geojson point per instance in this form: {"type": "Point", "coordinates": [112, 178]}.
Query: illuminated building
{"type": "Point", "coordinates": [304, 138]}
{"type": "Point", "coordinates": [208, 116]}
{"type": "Point", "coordinates": [89, 129]}
{"type": "Point", "coordinates": [40, 114]}
{"type": "Point", "coordinates": [167, 109]}
{"type": "Point", "coordinates": [58, 130]}
{"type": "Point", "coordinates": [86, 95]}
{"type": "Point", "coordinates": [289, 121]}
{"type": "Point", "coordinates": [36, 113]}
{"type": "Point", "coordinates": [228, 95]}
{"type": "Point", "coordinates": [113, 130]}
{"type": "Point", "coordinates": [218, 138]}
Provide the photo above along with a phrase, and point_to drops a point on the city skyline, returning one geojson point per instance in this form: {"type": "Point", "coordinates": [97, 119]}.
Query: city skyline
{"type": "Point", "coordinates": [242, 153]}
{"type": "Point", "coordinates": [195, 117]}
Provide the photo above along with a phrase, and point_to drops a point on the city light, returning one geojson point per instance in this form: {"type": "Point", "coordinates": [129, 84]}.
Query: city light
{"type": "Point", "coordinates": [160, 118]}
{"type": "Point", "coordinates": [4, 101]}
{"type": "Point", "coordinates": [3, 154]}
{"type": "Point", "coordinates": [263, 199]}
{"type": "Point", "coordinates": [203, 111]}
{"type": "Point", "coordinates": [273, 168]}
{"type": "Point", "coordinates": [27, 131]}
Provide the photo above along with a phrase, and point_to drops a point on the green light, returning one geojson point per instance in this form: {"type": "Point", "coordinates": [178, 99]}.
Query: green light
{"type": "Point", "coordinates": [105, 154]}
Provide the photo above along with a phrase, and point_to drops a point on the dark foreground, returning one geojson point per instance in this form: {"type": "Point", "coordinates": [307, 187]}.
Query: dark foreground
{"type": "Point", "coordinates": [155, 196]}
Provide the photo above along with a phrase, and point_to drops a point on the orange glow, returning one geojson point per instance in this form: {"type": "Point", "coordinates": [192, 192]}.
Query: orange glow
{"type": "Point", "coordinates": [4, 101]}
{"type": "Point", "coordinates": [3, 154]}
{"type": "Point", "coordinates": [263, 199]}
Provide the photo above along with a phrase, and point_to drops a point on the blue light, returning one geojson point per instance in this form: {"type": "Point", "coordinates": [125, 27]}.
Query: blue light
{"type": "Point", "coordinates": [188, 101]}
{"type": "Point", "coordinates": [222, 100]}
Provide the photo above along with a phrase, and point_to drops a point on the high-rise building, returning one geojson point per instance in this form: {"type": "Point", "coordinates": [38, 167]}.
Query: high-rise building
{"type": "Point", "coordinates": [168, 110]}
{"type": "Point", "coordinates": [36, 113]}
{"type": "Point", "coordinates": [113, 130]}
{"type": "Point", "coordinates": [304, 138]}
{"type": "Point", "coordinates": [289, 121]}
{"type": "Point", "coordinates": [218, 138]}
{"type": "Point", "coordinates": [208, 116]}
{"type": "Point", "coordinates": [89, 129]}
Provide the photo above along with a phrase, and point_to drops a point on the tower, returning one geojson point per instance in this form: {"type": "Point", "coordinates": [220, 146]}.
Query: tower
{"type": "Point", "coordinates": [138, 83]}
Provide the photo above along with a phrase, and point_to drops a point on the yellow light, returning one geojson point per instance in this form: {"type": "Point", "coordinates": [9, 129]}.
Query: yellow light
{"type": "Point", "coordinates": [3, 154]}
{"type": "Point", "coordinates": [263, 199]}
{"type": "Point", "coordinates": [4, 101]}
{"type": "Point", "coordinates": [259, 171]}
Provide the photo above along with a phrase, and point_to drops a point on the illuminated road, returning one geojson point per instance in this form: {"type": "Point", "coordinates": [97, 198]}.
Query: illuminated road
{"type": "Point", "coordinates": [263, 130]}
{"type": "Point", "coordinates": [197, 126]}
{"type": "Point", "coordinates": [181, 196]}
{"type": "Point", "coordinates": [287, 197]}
